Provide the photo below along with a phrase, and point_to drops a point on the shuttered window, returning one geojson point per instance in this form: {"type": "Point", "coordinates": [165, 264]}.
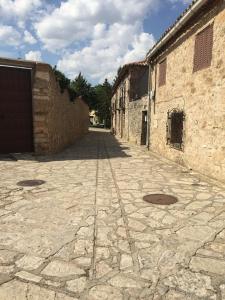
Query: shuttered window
{"type": "Point", "coordinates": [162, 72]}
{"type": "Point", "coordinates": [203, 49]}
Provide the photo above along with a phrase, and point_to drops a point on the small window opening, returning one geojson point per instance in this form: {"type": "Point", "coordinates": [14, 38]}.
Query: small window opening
{"type": "Point", "coordinates": [175, 129]}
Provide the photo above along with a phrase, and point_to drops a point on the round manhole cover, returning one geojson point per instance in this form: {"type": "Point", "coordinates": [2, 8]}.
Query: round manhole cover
{"type": "Point", "coordinates": [30, 182]}
{"type": "Point", "coordinates": [160, 199]}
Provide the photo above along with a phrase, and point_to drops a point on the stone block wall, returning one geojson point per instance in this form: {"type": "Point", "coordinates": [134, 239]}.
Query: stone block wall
{"type": "Point", "coordinates": [201, 95]}
{"type": "Point", "coordinates": [58, 122]}
{"type": "Point", "coordinates": [129, 125]}
{"type": "Point", "coordinates": [135, 119]}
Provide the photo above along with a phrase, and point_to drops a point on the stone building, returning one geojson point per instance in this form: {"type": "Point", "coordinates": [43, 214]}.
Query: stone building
{"type": "Point", "coordinates": [130, 103]}
{"type": "Point", "coordinates": [188, 82]}
{"type": "Point", "coordinates": [187, 91]}
{"type": "Point", "coordinates": [35, 115]}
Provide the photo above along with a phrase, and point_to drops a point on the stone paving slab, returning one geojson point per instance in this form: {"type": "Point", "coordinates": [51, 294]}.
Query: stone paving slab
{"type": "Point", "coordinates": [87, 233]}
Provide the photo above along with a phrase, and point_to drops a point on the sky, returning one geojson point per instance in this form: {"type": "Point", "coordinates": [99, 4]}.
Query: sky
{"type": "Point", "coordinates": [94, 37]}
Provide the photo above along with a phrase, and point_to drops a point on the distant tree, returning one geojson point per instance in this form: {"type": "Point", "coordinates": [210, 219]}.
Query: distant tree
{"type": "Point", "coordinates": [84, 89]}
{"type": "Point", "coordinates": [103, 94]}
{"type": "Point", "coordinates": [98, 97]}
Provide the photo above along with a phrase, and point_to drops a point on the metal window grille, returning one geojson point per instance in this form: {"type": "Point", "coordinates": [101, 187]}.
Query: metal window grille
{"type": "Point", "coordinates": [203, 49]}
{"type": "Point", "coordinates": [175, 129]}
{"type": "Point", "coordinates": [162, 72]}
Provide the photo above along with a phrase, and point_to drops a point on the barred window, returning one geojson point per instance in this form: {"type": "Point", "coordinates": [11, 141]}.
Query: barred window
{"type": "Point", "coordinates": [175, 129]}
{"type": "Point", "coordinates": [203, 49]}
{"type": "Point", "coordinates": [162, 72]}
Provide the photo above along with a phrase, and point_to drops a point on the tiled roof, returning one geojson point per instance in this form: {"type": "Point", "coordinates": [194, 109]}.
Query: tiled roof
{"type": "Point", "coordinates": [125, 68]}
{"type": "Point", "coordinates": [136, 63]}
{"type": "Point", "coordinates": [185, 12]}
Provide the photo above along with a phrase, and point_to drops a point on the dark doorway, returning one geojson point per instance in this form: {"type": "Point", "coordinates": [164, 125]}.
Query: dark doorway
{"type": "Point", "coordinates": [144, 128]}
{"type": "Point", "coordinates": [122, 123]}
{"type": "Point", "coordinates": [16, 126]}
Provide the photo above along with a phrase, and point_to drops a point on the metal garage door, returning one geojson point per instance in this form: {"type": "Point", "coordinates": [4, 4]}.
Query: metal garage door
{"type": "Point", "coordinates": [16, 130]}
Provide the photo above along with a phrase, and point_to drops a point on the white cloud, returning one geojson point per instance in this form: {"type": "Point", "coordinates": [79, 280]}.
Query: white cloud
{"type": "Point", "coordinates": [33, 55]}
{"type": "Point", "coordinates": [28, 38]}
{"type": "Point", "coordinates": [109, 49]}
{"type": "Point", "coordinates": [110, 30]}
{"type": "Point", "coordinates": [9, 35]}
{"type": "Point", "coordinates": [18, 8]}
{"type": "Point", "coordinates": [74, 20]}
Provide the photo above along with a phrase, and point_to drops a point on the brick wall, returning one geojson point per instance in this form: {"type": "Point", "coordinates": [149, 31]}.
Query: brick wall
{"type": "Point", "coordinates": [201, 95]}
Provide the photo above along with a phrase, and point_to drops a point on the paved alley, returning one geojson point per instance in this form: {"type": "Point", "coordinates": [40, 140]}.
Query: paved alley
{"type": "Point", "coordinates": [86, 233]}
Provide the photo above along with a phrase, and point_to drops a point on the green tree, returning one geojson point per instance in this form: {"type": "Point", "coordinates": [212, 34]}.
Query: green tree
{"type": "Point", "coordinates": [64, 83]}
{"type": "Point", "coordinates": [84, 89]}
{"type": "Point", "coordinates": [103, 94]}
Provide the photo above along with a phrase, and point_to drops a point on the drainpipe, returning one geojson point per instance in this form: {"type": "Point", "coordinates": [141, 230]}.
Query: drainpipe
{"type": "Point", "coordinates": [149, 105]}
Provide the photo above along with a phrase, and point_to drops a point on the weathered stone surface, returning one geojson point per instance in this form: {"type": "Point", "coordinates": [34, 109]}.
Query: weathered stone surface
{"type": "Point", "coordinates": [104, 292]}
{"type": "Point", "coordinates": [108, 258]}
{"type": "Point", "coordinates": [30, 262]}
{"type": "Point", "coordinates": [76, 285]}
{"type": "Point", "coordinates": [62, 269]}
{"type": "Point", "coordinates": [136, 225]}
{"type": "Point", "coordinates": [126, 261]}
{"type": "Point", "coordinates": [192, 283]}
{"type": "Point", "coordinates": [174, 295]}
{"type": "Point", "coordinates": [208, 265]}
{"type": "Point", "coordinates": [84, 262]}
{"type": "Point", "coordinates": [16, 290]}
{"type": "Point", "coordinates": [7, 257]}
{"type": "Point", "coordinates": [122, 281]}
{"type": "Point", "coordinates": [6, 269]}
{"type": "Point", "coordinates": [222, 289]}
{"type": "Point", "coordinates": [102, 268]}
{"type": "Point", "coordinates": [28, 276]}
{"type": "Point", "coordinates": [82, 247]}
{"type": "Point", "coordinates": [102, 253]}
{"type": "Point", "coordinates": [196, 233]}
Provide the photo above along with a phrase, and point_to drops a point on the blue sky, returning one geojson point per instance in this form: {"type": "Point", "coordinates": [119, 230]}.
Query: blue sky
{"type": "Point", "coordinates": [91, 36]}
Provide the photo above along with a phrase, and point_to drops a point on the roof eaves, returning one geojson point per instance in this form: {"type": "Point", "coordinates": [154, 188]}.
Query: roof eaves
{"type": "Point", "coordinates": [179, 23]}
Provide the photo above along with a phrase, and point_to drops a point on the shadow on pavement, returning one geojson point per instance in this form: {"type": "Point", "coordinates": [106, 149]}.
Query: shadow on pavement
{"type": "Point", "coordinates": [95, 145]}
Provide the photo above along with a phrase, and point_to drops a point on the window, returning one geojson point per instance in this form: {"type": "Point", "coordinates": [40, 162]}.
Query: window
{"type": "Point", "coordinates": [203, 49]}
{"type": "Point", "coordinates": [162, 72]}
{"type": "Point", "coordinates": [175, 129]}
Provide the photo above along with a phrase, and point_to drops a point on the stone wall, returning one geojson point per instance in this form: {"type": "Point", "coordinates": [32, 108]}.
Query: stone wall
{"type": "Point", "coordinates": [128, 125]}
{"type": "Point", "coordinates": [201, 95]}
{"type": "Point", "coordinates": [135, 116]}
{"type": "Point", "coordinates": [58, 122]}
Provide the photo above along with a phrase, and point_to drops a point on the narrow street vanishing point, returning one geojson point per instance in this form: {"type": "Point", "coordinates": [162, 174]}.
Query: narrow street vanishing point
{"type": "Point", "coordinates": [87, 233]}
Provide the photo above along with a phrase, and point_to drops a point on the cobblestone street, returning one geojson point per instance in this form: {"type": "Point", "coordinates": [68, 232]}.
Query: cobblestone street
{"type": "Point", "coordinates": [87, 233]}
